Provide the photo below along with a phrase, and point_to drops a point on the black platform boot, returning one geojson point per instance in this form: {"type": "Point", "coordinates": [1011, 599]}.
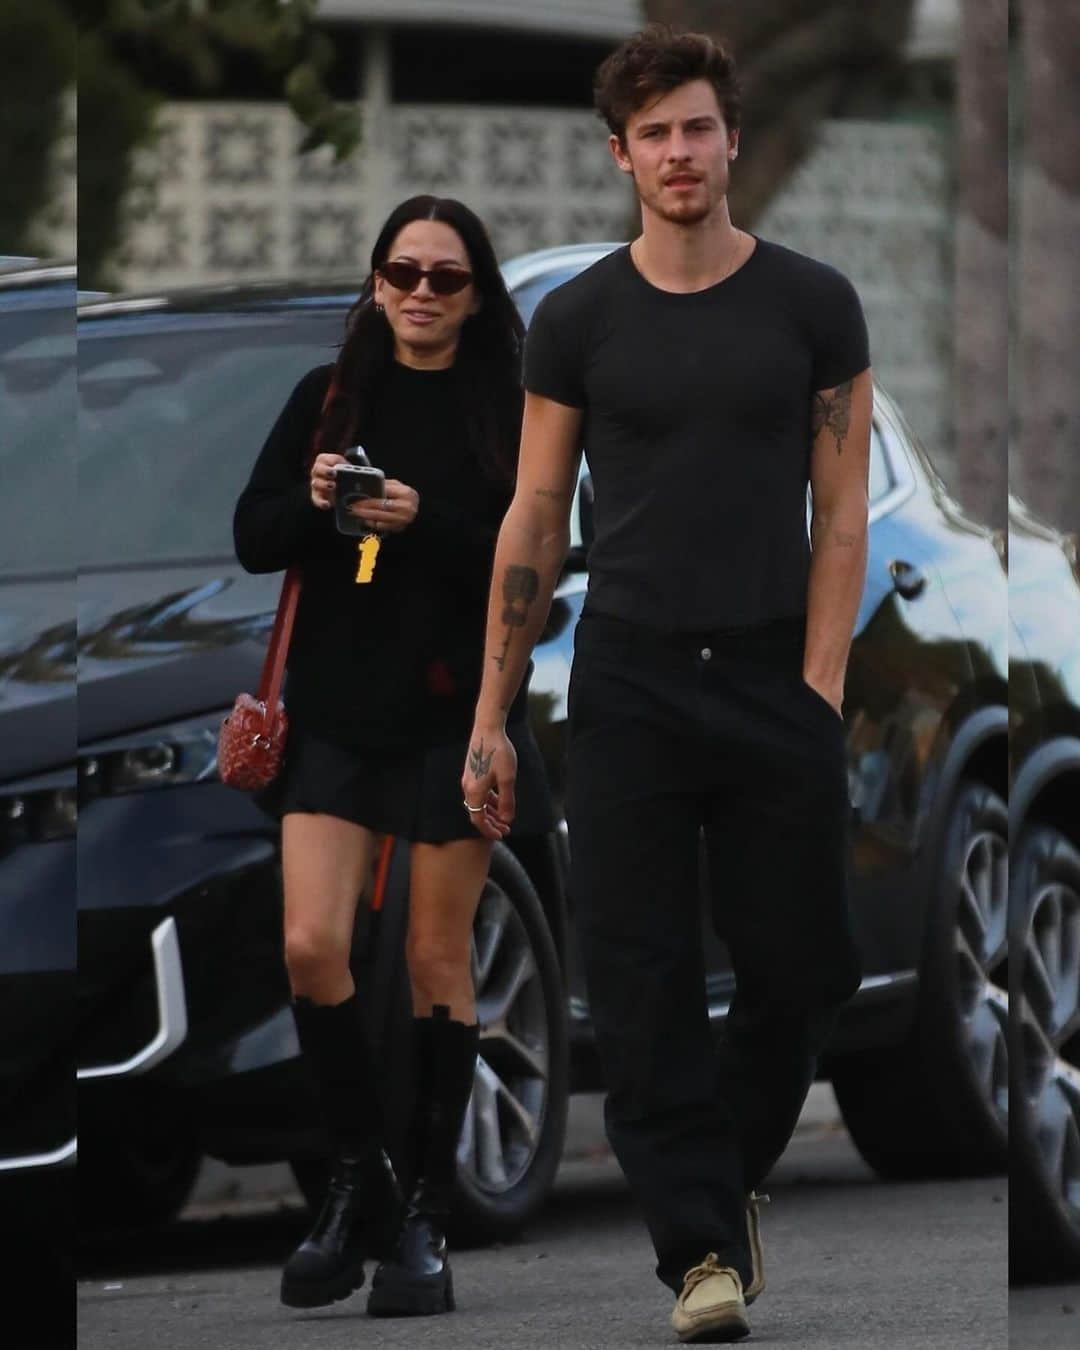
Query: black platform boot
{"type": "Point", "coordinates": [362, 1212]}
{"type": "Point", "coordinates": [417, 1279]}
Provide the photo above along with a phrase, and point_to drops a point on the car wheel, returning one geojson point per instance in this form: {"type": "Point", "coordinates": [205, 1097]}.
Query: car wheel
{"type": "Point", "coordinates": [515, 1124]}
{"type": "Point", "coordinates": [1044, 912]}
{"type": "Point", "coordinates": [136, 1168]}
{"type": "Point", "coordinates": [938, 1104]}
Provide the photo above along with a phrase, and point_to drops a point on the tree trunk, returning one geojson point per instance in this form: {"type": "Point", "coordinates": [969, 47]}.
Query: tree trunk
{"type": "Point", "coordinates": [1047, 469]}
{"type": "Point", "coordinates": [981, 300]}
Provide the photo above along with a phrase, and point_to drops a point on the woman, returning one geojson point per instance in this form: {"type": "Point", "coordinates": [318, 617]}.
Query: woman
{"type": "Point", "coordinates": [382, 677]}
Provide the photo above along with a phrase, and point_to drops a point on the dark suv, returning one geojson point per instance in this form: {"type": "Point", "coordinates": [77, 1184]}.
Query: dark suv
{"type": "Point", "coordinates": [187, 1044]}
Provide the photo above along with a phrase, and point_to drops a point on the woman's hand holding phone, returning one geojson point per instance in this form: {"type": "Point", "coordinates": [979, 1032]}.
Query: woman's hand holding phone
{"type": "Point", "coordinates": [391, 513]}
{"type": "Point", "coordinates": [322, 480]}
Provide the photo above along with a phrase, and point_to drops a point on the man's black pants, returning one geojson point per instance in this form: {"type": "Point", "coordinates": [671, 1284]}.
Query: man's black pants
{"type": "Point", "coordinates": [669, 736]}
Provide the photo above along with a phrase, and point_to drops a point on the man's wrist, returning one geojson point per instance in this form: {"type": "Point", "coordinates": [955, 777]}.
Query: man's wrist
{"type": "Point", "coordinates": [487, 721]}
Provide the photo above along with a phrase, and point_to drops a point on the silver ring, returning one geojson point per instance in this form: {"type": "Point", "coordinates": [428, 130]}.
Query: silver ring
{"type": "Point", "coordinates": [386, 503]}
{"type": "Point", "coordinates": [473, 810]}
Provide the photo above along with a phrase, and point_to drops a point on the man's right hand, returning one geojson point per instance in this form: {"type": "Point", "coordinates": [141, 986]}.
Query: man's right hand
{"type": "Point", "coordinates": [488, 782]}
{"type": "Point", "coordinates": [322, 480]}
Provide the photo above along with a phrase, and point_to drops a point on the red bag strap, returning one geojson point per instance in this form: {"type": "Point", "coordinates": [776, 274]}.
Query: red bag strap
{"type": "Point", "coordinates": [273, 670]}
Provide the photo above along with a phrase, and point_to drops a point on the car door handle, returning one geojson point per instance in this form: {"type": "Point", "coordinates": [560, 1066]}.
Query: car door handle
{"type": "Point", "coordinates": [907, 579]}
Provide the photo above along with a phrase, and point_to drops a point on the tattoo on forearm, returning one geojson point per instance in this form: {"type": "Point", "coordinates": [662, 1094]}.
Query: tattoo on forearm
{"type": "Point", "coordinates": [550, 493]}
{"type": "Point", "coordinates": [832, 411]}
{"type": "Point", "coordinates": [521, 586]}
{"type": "Point", "coordinates": [479, 759]}
{"type": "Point", "coordinates": [822, 535]}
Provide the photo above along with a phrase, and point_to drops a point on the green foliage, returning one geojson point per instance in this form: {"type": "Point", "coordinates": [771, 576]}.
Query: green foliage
{"type": "Point", "coordinates": [116, 115]}
{"type": "Point", "coordinates": [119, 40]}
{"type": "Point", "coordinates": [37, 67]}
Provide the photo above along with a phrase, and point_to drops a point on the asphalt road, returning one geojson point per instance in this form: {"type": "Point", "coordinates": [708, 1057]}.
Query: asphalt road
{"type": "Point", "coordinates": [850, 1263]}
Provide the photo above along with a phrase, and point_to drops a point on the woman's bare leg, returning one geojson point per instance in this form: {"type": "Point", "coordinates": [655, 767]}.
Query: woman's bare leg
{"type": "Point", "coordinates": [446, 884]}
{"type": "Point", "coordinates": [325, 866]}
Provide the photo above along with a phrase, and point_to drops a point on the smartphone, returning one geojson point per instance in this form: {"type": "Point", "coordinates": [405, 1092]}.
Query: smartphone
{"type": "Point", "coordinates": [355, 483]}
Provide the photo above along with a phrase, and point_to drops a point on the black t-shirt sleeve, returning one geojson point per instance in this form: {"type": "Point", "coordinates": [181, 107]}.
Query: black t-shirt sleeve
{"type": "Point", "coordinates": [275, 521]}
{"type": "Point", "coordinates": [841, 343]}
{"type": "Point", "coordinates": [553, 366]}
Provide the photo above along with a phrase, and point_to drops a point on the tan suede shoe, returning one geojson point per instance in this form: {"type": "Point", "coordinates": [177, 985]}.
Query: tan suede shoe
{"type": "Point", "coordinates": [710, 1307]}
{"type": "Point", "coordinates": [757, 1252]}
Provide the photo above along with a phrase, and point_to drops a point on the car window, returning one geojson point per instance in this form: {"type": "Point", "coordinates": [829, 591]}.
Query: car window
{"type": "Point", "coordinates": [37, 430]}
{"type": "Point", "coordinates": [170, 423]}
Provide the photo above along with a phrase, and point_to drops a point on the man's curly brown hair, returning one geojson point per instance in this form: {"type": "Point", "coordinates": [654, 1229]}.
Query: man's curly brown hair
{"type": "Point", "coordinates": [656, 60]}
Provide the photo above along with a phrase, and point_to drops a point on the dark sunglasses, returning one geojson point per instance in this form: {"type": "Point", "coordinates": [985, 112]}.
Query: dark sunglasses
{"type": "Point", "coordinates": [405, 276]}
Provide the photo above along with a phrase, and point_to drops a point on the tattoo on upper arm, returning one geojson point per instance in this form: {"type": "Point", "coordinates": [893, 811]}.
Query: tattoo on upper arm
{"type": "Point", "coordinates": [479, 759]}
{"type": "Point", "coordinates": [551, 493]}
{"type": "Point", "coordinates": [833, 411]}
{"type": "Point", "coordinates": [521, 586]}
{"type": "Point", "coordinates": [844, 540]}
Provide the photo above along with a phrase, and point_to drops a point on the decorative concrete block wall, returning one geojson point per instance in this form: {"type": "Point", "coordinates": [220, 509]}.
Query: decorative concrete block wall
{"type": "Point", "coordinates": [226, 196]}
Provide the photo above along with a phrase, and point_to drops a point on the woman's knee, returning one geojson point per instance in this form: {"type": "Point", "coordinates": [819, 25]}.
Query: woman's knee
{"type": "Point", "coordinates": [437, 967]}
{"type": "Point", "coordinates": [313, 955]}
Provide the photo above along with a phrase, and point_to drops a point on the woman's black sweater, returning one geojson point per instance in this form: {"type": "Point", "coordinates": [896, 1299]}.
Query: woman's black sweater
{"type": "Point", "coordinates": [396, 663]}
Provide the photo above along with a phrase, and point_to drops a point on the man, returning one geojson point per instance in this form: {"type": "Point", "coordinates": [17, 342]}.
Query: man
{"type": "Point", "coordinates": [709, 375]}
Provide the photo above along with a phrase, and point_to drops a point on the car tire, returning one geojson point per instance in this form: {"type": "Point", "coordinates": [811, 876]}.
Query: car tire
{"type": "Point", "coordinates": [937, 1105]}
{"type": "Point", "coordinates": [137, 1168]}
{"type": "Point", "coordinates": [1044, 1145]}
{"type": "Point", "coordinates": [515, 1125]}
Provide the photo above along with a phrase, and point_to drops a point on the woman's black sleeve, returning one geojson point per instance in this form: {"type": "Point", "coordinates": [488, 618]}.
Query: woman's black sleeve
{"type": "Point", "coordinates": [275, 521]}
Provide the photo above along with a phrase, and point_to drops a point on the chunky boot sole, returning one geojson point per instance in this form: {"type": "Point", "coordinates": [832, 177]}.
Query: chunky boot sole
{"type": "Point", "coordinates": [297, 1293]}
{"type": "Point", "coordinates": [395, 1293]}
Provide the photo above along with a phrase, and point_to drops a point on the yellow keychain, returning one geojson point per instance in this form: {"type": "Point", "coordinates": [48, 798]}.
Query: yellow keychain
{"type": "Point", "coordinates": [367, 550]}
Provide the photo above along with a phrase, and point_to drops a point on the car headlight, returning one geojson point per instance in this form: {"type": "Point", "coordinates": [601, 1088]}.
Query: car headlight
{"type": "Point", "coordinates": [37, 815]}
{"type": "Point", "coordinates": [165, 757]}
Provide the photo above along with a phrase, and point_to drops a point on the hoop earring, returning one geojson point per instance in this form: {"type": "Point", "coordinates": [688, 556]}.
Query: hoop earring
{"type": "Point", "coordinates": [379, 309]}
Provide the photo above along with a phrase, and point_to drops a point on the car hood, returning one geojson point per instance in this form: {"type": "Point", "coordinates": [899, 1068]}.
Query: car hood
{"type": "Point", "coordinates": [166, 643]}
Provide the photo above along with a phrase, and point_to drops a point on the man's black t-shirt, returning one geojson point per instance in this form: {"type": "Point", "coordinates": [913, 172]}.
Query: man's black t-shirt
{"type": "Point", "coordinates": [697, 429]}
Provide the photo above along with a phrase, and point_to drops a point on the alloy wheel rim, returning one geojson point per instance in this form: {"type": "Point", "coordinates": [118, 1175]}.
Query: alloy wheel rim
{"type": "Point", "coordinates": [505, 1117]}
{"type": "Point", "coordinates": [980, 953]}
{"type": "Point", "coordinates": [1050, 1034]}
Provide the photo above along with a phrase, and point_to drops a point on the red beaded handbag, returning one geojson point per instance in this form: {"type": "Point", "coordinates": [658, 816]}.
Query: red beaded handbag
{"type": "Point", "coordinates": [251, 742]}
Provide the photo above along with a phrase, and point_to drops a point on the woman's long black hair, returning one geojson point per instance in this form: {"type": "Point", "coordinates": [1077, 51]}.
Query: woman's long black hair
{"type": "Point", "coordinates": [488, 355]}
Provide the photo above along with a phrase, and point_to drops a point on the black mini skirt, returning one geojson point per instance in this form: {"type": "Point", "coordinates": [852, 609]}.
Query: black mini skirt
{"type": "Point", "coordinates": [411, 794]}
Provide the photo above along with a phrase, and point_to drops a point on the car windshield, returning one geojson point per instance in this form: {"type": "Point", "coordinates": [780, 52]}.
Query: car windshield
{"type": "Point", "coordinates": [37, 429]}
{"type": "Point", "coordinates": [171, 422]}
